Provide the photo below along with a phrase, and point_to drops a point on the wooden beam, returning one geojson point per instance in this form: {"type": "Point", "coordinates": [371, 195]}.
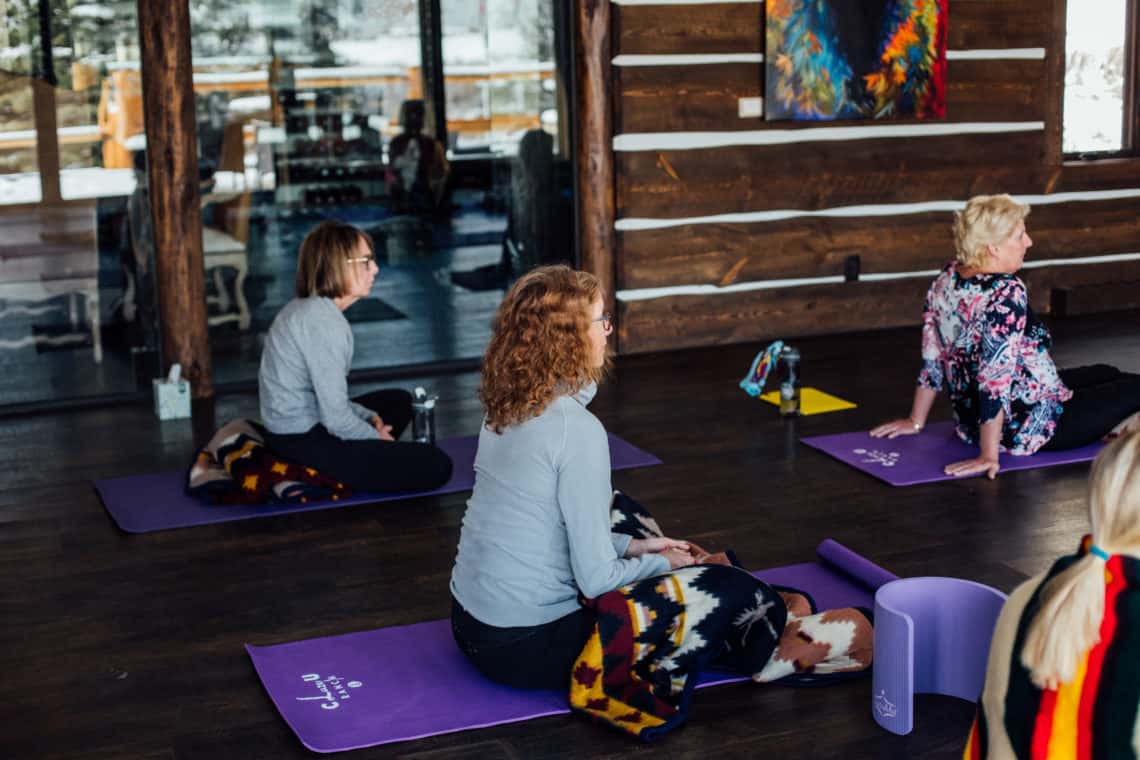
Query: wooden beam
{"type": "Point", "coordinates": [1054, 95]}
{"type": "Point", "coordinates": [728, 253]}
{"type": "Point", "coordinates": [594, 143]}
{"type": "Point", "coordinates": [715, 28]}
{"type": "Point", "coordinates": [739, 27]}
{"type": "Point", "coordinates": [705, 98]}
{"type": "Point", "coordinates": [431, 45]}
{"type": "Point", "coordinates": [47, 140]}
{"type": "Point", "coordinates": [685, 183]}
{"type": "Point", "coordinates": [672, 322]}
{"type": "Point", "coordinates": [172, 164]}
{"type": "Point", "coordinates": [679, 321]}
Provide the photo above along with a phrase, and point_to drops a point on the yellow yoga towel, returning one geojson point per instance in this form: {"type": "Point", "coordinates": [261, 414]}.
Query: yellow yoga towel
{"type": "Point", "coordinates": [812, 401]}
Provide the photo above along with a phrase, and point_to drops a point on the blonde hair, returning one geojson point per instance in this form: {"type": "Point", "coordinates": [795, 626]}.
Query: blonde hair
{"type": "Point", "coordinates": [539, 345]}
{"type": "Point", "coordinates": [1071, 607]}
{"type": "Point", "coordinates": [986, 220]}
{"type": "Point", "coordinates": [324, 254]}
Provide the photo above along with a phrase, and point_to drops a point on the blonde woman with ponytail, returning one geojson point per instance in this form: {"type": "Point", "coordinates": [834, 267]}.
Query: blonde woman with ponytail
{"type": "Point", "coordinates": [1063, 678]}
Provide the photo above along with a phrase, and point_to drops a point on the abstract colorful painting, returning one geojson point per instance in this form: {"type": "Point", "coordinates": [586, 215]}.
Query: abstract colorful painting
{"type": "Point", "coordinates": [855, 59]}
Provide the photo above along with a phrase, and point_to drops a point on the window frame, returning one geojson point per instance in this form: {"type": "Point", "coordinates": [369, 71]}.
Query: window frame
{"type": "Point", "coordinates": [1130, 116]}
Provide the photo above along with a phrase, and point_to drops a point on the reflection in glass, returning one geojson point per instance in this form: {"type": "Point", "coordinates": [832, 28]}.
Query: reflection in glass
{"type": "Point", "coordinates": [69, 106]}
{"type": "Point", "coordinates": [306, 110]}
{"type": "Point", "coordinates": [315, 110]}
{"type": "Point", "coordinates": [498, 57]}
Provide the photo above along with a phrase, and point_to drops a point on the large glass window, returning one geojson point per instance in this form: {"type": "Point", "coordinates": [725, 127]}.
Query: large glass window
{"type": "Point", "coordinates": [69, 102]}
{"type": "Point", "coordinates": [1100, 67]}
{"type": "Point", "coordinates": [317, 110]}
{"type": "Point", "coordinates": [305, 110]}
{"type": "Point", "coordinates": [500, 81]}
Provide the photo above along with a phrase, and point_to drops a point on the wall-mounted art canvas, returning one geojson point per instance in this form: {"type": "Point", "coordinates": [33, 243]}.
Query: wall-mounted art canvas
{"type": "Point", "coordinates": [855, 59]}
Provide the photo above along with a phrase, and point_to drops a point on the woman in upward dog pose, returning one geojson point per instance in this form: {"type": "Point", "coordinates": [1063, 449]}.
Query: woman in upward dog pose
{"type": "Point", "coordinates": [982, 341]}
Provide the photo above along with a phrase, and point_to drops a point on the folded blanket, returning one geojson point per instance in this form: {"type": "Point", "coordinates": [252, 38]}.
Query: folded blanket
{"type": "Point", "coordinates": [817, 648]}
{"type": "Point", "coordinates": [235, 467]}
{"type": "Point", "coordinates": [638, 668]}
{"type": "Point", "coordinates": [637, 671]}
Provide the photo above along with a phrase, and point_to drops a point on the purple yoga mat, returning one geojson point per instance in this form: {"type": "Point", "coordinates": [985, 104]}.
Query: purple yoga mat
{"type": "Point", "coordinates": [911, 459]}
{"type": "Point", "coordinates": [394, 684]}
{"type": "Point", "coordinates": [158, 501]}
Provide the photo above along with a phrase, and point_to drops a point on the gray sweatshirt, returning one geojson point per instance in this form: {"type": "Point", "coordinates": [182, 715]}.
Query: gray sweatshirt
{"type": "Point", "coordinates": [537, 526]}
{"type": "Point", "coordinates": [303, 378]}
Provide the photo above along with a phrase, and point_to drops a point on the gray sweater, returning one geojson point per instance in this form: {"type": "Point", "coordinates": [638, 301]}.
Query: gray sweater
{"type": "Point", "coordinates": [303, 378]}
{"type": "Point", "coordinates": [537, 526]}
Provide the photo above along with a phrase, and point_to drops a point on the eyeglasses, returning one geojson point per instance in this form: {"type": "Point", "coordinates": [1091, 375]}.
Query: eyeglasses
{"type": "Point", "coordinates": [361, 259]}
{"type": "Point", "coordinates": [607, 321]}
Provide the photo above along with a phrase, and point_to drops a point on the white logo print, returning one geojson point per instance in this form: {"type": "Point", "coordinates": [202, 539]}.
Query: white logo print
{"type": "Point", "coordinates": [333, 690]}
{"type": "Point", "coordinates": [883, 706]}
{"type": "Point", "coordinates": [874, 456]}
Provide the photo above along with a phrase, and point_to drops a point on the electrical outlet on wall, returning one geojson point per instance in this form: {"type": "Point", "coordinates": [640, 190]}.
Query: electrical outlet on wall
{"type": "Point", "coordinates": [750, 108]}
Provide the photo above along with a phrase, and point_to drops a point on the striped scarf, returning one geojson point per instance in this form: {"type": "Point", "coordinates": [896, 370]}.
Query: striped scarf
{"type": "Point", "coordinates": [1093, 716]}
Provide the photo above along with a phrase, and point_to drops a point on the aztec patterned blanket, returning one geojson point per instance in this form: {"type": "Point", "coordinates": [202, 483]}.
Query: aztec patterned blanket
{"type": "Point", "coordinates": [235, 467]}
{"type": "Point", "coordinates": [637, 671]}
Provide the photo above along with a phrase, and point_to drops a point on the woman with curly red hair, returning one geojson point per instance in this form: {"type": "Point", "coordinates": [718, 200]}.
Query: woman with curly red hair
{"type": "Point", "coordinates": [537, 530]}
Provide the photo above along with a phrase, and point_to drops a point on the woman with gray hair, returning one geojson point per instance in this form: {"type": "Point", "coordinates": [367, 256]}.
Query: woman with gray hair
{"type": "Point", "coordinates": [981, 340]}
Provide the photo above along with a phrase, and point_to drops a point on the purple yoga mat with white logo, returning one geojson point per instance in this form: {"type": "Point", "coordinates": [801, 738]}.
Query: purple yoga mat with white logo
{"type": "Point", "coordinates": [912, 459]}
{"type": "Point", "coordinates": [158, 501]}
{"type": "Point", "coordinates": [394, 684]}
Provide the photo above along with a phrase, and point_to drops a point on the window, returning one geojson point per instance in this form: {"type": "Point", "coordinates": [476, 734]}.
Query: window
{"type": "Point", "coordinates": [1100, 78]}
{"type": "Point", "coordinates": [499, 72]}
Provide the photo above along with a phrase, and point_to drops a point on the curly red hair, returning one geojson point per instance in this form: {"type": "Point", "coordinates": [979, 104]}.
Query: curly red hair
{"type": "Point", "coordinates": [539, 345]}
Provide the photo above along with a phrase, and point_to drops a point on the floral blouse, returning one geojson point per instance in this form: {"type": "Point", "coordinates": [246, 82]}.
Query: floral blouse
{"type": "Point", "coordinates": [981, 339]}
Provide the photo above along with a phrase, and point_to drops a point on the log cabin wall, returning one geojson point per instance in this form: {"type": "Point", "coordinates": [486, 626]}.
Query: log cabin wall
{"type": "Point", "coordinates": [730, 228]}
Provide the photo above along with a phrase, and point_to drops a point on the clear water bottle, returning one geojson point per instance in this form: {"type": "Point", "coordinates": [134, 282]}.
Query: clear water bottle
{"type": "Point", "coordinates": [423, 416]}
{"type": "Point", "coordinates": [789, 373]}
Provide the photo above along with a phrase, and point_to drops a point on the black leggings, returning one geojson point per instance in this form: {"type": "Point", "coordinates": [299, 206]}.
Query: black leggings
{"type": "Point", "coordinates": [1103, 397]}
{"type": "Point", "coordinates": [541, 656]}
{"type": "Point", "coordinates": [527, 657]}
{"type": "Point", "coordinates": [370, 465]}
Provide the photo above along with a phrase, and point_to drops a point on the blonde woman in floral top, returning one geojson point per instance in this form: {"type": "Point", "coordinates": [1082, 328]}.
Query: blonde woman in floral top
{"type": "Point", "coordinates": [982, 341]}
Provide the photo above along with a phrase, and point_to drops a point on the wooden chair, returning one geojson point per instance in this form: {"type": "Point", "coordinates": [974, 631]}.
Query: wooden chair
{"type": "Point", "coordinates": [52, 252]}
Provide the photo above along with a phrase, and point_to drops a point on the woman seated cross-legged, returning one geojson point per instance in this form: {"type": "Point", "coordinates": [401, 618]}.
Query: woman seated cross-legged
{"type": "Point", "coordinates": [303, 379]}
{"type": "Point", "coordinates": [983, 342]}
{"type": "Point", "coordinates": [551, 560]}
{"type": "Point", "coordinates": [537, 527]}
{"type": "Point", "coordinates": [1063, 678]}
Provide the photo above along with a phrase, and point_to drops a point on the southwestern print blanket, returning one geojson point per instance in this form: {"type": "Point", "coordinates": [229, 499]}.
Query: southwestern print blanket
{"type": "Point", "coordinates": [637, 671]}
{"type": "Point", "coordinates": [638, 668]}
{"type": "Point", "coordinates": [235, 467]}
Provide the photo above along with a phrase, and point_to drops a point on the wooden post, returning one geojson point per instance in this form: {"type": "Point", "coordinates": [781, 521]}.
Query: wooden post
{"type": "Point", "coordinates": [172, 165]}
{"type": "Point", "coordinates": [594, 143]}
{"type": "Point", "coordinates": [1055, 95]}
{"type": "Point", "coordinates": [431, 46]}
{"type": "Point", "coordinates": [43, 108]}
{"type": "Point", "coordinates": [47, 140]}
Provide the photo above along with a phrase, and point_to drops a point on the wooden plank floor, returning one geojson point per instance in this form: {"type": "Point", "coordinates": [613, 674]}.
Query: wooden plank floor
{"type": "Point", "coordinates": [130, 646]}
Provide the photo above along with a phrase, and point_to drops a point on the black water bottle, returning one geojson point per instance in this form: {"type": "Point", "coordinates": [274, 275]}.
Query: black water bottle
{"type": "Point", "coordinates": [789, 373]}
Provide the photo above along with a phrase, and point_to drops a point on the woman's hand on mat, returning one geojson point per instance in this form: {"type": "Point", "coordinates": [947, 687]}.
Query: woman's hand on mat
{"type": "Point", "coordinates": [974, 466]}
{"type": "Point", "coordinates": [384, 431]}
{"type": "Point", "coordinates": [678, 558]}
{"type": "Point", "coordinates": [895, 428]}
{"type": "Point", "coordinates": [639, 546]}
